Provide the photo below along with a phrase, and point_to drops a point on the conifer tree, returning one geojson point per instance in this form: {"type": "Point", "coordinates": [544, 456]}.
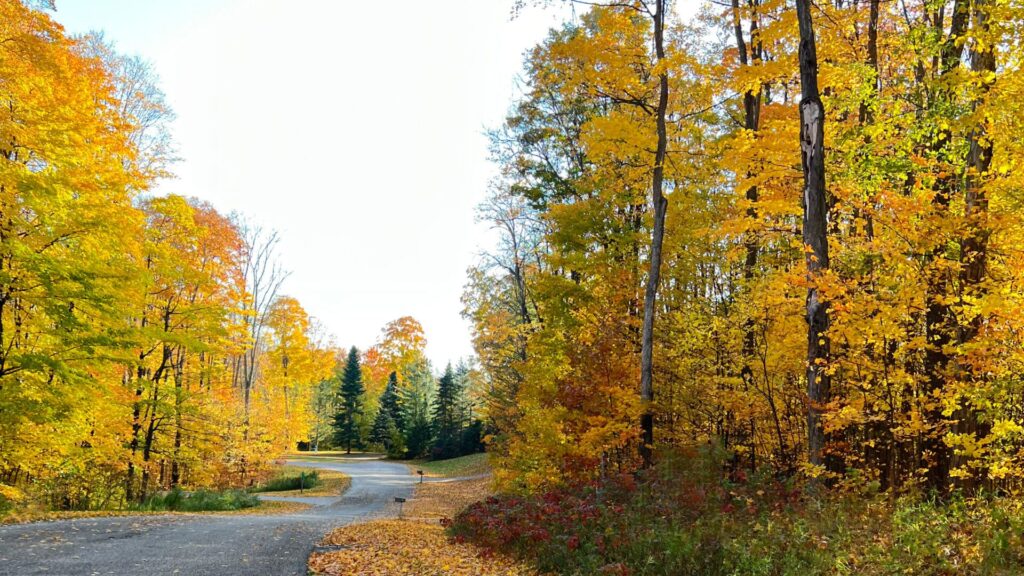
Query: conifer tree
{"type": "Point", "coordinates": [389, 414]}
{"type": "Point", "coordinates": [446, 421]}
{"type": "Point", "coordinates": [417, 398]}
{"type": "Point", "coordinates": [350, 394]}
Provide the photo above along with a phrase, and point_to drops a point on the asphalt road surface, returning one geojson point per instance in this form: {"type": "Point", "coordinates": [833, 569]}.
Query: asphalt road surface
{"type": "Point", "coordinates": [201, 545]}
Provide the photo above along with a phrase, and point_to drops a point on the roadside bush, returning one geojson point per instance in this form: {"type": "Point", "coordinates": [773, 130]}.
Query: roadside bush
{"type": "Point", "coordinates": [199, 501]}
{"type": "Point", "coordinates": [687, 517]}
{"type": "Point", "coordinates": [9, 496]}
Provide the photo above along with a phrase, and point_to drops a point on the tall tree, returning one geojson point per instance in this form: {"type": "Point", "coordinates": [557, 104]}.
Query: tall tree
{"type": "Point", "coordinates": [815, 232]}
{"type": "Point", "coordinates": [324, 408]}
{"type": "Point", "coordinates": [263, 276]}
{"type": "Point", "coordinates": [939, 323]}
{"type": "Point", "coordinates": [750, 54]}
{"type": "Point", "coordinates": [974, 245]}
{"type": "Point", "coordinates": [446, 423]}
{"type": "Point", "coordinates": [350, 394]}
{"type": "Point", "coordinates": [389, 414]}
{"type": "Point", "coordinates": [660, 204]}
{"type": "Point", "coordinates": [417, 396]}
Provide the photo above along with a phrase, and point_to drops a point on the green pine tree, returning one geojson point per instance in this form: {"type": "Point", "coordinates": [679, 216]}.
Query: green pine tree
{"type": "Point", "coordinates": [389, 414]}
{"type": "Point", "coordinates": [416, 398]}
{"type": "Point", "coordinates": [446, 422]}
{"type": "Point", "coordinates": [350, 394]}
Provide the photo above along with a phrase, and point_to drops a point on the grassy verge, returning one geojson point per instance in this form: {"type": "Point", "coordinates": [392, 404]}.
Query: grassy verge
{"type": "Point", "coordinates": [329, 482]}
{"type": "Point", "coordinates": [471, 465]}
{"type": "Point", "coordinates": [290, 479]}
{"type": "Point", "coordinates": [38, 515]}
{"type": "Point", "coordinates": [199, 501]}
{"type": "Point", "coordinates": [332, 455]}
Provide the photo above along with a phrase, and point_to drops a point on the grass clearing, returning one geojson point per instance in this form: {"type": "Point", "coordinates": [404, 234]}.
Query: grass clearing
{"type": "Point", "coordinates": [329, 482]}
{"type": "Point", "coordinates": [471, 465]}
{"type": "Point", "coordinates": [333, 455]}
{"type": "Point", "coordinates": [289, 479]}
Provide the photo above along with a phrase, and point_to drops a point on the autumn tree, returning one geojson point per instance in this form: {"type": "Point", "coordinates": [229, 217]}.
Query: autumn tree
{"type": "Point", "coordinates": [263, 276]}
{"type": "Point", "coordinates": [135, 328]}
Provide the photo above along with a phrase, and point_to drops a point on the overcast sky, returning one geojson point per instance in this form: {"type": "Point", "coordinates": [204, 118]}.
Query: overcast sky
{"type": "Point", "coordinates": [353, 128]}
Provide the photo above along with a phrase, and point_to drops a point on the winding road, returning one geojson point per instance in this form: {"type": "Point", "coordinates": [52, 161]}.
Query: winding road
{"type": "Point", "coordinates": [202, 545]}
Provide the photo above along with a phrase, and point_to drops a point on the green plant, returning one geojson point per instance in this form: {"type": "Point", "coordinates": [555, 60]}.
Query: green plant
{"type": "Point", "coordinates": [199, 501]}
{"type": "Point", "coordinates": [302, 480]}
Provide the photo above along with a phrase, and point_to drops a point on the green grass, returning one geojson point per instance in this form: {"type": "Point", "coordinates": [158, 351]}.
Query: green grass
{"type": "Point", "coordinates": [333, 455]}
{"type": "Point", "coordinates": [329, 482]}
{"type": "Point", "coordinates": [300, 480]}
{"type": "Point", "coordinates": [470, 465]}
{"type": "Point", "coordinates": [199, 501]}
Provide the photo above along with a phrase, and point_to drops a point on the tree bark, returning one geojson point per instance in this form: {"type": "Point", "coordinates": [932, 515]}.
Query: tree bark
{"type": "Point", "coordinates": [974, 246]}
{"type": "Point", "coordinates": [815, 233]}
{"type": "Point", "coordinates": [751, 120]}
{"type": "Point", "coordinates": [657, 237]}
{"type": "Point", "coordinates": [179, 375]}
{"type": "Point", "coordinates": [936, 454]}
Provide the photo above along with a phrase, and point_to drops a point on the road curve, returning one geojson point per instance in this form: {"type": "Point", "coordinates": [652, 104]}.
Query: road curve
{"type": "Point", "coordinates": [202, 545]}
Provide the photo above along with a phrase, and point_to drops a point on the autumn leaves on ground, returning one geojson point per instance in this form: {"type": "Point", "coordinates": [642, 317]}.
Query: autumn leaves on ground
{"type": "Point", "coordinates": [417, 543]}
{"type": "Point", "coordinates": [756, 306]}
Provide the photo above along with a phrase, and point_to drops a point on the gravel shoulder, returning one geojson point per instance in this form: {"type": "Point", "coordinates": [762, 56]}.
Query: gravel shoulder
{"type": "Point", "coordinates": [203, 545]}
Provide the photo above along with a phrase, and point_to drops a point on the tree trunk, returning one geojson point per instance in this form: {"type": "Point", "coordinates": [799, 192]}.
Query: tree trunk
{"type": "Point", "coordinates": [179, 369]}
{"type": "Point", "coordinates": [815, 233]}
{"type": "Point", "coordinates": [974, 246]}
{"type": "Point", "coordinates": [657, 237]}
{"type": "Point", "coordinates": [751, 120]}
{"type": "Point", "coordinates": [129, 485]}
{"type": "Point", "coordinates": [938, 316]}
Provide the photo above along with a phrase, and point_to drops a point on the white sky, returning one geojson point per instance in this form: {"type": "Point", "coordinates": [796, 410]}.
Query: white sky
{"type": "Point", "coordinates": [355, 128]}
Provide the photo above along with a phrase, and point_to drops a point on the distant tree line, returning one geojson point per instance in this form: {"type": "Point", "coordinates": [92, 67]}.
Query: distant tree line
{"type": "Point", "coordinates": [415, 415]}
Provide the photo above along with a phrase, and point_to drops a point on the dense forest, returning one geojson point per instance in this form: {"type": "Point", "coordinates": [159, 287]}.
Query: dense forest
{"type": "Point", "coordinates": [780, 237]}
{"type": "Point", "coordinates": [145, 341]}
{"type": "Point", "coordinates": [848, 164]}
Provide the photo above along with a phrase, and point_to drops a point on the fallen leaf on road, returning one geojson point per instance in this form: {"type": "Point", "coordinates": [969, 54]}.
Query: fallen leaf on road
{"type": "Point", "coordinates": [400, 548]}
{"type": "Point", "coordinates": [446, 499]}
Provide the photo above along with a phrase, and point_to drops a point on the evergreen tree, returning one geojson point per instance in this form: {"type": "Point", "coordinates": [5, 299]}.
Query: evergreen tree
{"type": "Point", "coordinates": [350, 394]}
{"type": "Point", "coordinates": [389, 414]}
{"type": "Point", "coordinates": [416, 398]}
{"type": "Point", "coordinates": [324, 401]}
{"type": "Point", "coordinates": [464, 403]}
{"type": "Point", "coordinates": [446, 423]}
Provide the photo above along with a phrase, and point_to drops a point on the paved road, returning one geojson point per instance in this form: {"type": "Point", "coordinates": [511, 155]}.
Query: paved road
{"type": "Point", "coordinates": [257, 545]}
